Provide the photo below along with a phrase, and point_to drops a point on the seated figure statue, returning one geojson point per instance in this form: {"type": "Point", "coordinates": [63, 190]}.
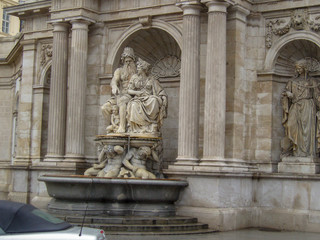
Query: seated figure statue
{"type": "Point", "coordinates": [148, 107]}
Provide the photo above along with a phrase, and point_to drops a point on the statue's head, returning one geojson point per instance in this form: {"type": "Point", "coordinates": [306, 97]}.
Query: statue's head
{"type": "Point", "coordinates": [118, 149]}
{"type": "Point", "coordinates": [144, 151]}
{"type": "Point", "coordinates": [144, 66]}
{"type": "Point", "coordinates": [128, 55]}
{"type": "Point", "coordinates": [307, 65]}
{"type": "Point", "coordinates": [115, 109]}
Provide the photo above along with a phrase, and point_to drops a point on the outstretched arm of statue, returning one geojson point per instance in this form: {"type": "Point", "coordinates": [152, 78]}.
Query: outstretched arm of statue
{"type": "Point", "coordinates": [126, 161]}
{"type": "Point", "coordinates": [134, 92]}
{"type": "Point", "coordinates": [115, 82]}
{"type": "Point", "coordinates": [102, 156]}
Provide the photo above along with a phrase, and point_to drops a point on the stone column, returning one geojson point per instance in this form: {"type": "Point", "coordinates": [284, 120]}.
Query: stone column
{"type": "Point", "coordinates": [58, 93]}
{"type": "Point", "coordinates": [77, 91]}
{"type": "Point", "coordinates": [188, 138]}
{"type": "Point", "coordinates": [215, 88]}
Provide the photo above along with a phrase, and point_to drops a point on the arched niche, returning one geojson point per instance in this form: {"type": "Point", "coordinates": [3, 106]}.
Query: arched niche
{"type": "Point", "coordinates": [155, 43]}
{"type": "Point", "coordinates": [289, 48]}
{"type": "Point", "coordinates": [42, 95]}
{"type": "Point", "coordinates": [152, 44]}
{"type": "Point", "coordinates": [278, 69]}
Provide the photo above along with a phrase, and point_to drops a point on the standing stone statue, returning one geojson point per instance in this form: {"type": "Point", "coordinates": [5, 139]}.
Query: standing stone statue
{"type": "Point", "coordinates": [119, 86]}
{"type": "Point", "coordinates": [300, 101]}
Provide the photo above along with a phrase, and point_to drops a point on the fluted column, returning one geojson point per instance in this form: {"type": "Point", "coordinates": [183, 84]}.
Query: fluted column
{"type": "Point", "coordinates": [58, 93]}
{"type": "Point", "coordinates": [77, 91]}
{"type": "Point", "coordinates": [188, 138]}
{"type": "Point", "coordinates": [215, 88]}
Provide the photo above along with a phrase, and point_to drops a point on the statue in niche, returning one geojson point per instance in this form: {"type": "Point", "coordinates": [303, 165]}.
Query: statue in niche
{"type": "Point", "coordinates": [119, 85]}
{"type": "Point", "coordinates": [301, 103]}
{"type": "Point", "coordinates": [148, 106]}
{"type": "Point", "coordinates": [110, 162]}
{"type": "Point", "coordinates": [135, 161]}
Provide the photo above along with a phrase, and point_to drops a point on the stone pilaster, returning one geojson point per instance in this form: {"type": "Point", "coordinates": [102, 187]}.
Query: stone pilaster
{"type": "Point", "coordinates": [25, 108]}
{"type": "Point", "coordinates": [77, 91]}
{"type": "Point", "coordinates": [215, 88]}
{"type": "Point", "coordinates": [188, 138]}
{"type": "Point", "coordinates": [58, 93]}
{"type": "Point", "coordinates": [236, 78]}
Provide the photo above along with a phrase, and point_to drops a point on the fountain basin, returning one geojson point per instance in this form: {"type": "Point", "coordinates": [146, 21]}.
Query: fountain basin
{"type": "Point", "coordinates": [113, 197]}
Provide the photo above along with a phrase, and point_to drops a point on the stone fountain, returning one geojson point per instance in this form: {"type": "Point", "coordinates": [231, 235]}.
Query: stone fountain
{"type": "Point", "coordinates": [127, 180]}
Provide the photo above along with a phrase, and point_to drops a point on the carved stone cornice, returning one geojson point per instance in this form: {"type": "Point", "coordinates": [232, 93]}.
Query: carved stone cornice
{"type": "Point", "coordinates": [299, 20]}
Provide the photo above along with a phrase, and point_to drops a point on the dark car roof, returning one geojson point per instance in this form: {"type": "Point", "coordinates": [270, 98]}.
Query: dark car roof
{"type": "Point", "coordinates": [21, 218]}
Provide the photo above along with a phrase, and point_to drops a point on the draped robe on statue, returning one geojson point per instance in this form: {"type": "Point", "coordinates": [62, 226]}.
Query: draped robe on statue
{"type": "Point", "coordinates": [299, 117]}
{"type": "Point", "coordinates": [145, 113]}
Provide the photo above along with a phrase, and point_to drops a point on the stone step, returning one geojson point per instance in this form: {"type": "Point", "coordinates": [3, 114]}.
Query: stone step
{"type": "Point", "coordinates": [131, 220]}
{"type": "Point", "coordinates": [141, 225]}
{"type": "Point", "coordinates": [200, 231]}
{"type": "Point", "coordinates": [149, 228]}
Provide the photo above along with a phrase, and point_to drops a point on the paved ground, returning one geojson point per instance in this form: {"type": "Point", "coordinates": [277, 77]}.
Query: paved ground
{"type": "Point", "coordinates": [249, 234]}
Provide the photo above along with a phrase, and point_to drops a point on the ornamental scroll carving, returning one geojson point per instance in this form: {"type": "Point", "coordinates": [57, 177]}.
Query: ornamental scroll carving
{"type": "Point", "coordinates": [299, 20]}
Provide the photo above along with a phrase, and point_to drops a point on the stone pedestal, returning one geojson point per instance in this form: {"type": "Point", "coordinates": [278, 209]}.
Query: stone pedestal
{"type": "Point", "coordinates": [303, 165]}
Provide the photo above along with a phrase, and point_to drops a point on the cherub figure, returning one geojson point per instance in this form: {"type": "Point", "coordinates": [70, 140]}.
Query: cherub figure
{"type": "Point", "coordinates": [115, 120]}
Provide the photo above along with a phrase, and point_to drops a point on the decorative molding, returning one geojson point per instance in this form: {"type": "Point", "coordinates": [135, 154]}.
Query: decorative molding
{"type": "Point", "coordinates": [45, 54]}
{"type": "Point", "coordinates": [299, 20]}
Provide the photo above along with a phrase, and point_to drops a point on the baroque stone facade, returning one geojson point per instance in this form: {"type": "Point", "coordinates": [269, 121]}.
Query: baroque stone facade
{"type": "Point", "coordinates": [224, 65]}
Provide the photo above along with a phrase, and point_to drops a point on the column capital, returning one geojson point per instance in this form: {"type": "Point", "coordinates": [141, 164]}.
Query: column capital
{"type": "Point", "coordinates": [60, 26]}
{"type": "Point", "coordinates": [238, 12]}
{"type": "Point", "coordinates": [80, 19]}
{"type": "Point", "coordinates": [217, 5]}
{"type": "Point", "coordinates": [190, 7]}
{"type": "Point", "coordinates": [79, 24]}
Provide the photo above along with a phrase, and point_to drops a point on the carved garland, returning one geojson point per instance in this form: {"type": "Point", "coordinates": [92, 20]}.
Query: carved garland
{"type": "Point", "coordinates": [299, 20]}
{"type": "Point", "coordinates": [46, 54]}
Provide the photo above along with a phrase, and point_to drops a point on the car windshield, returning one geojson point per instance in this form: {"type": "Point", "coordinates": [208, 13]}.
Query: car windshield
{"type": "Point", "coordinates": [23, 218]}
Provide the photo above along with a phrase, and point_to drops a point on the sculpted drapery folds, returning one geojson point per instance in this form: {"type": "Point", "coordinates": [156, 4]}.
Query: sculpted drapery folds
{"type": "Point", "coordinates": [147, 109]}
{"type": "Point", "coordinates": [141, 100]}
{"type": "Point", "coordinates": [301, 101]}
{"type": "Point", "coordinates": [119, 86]}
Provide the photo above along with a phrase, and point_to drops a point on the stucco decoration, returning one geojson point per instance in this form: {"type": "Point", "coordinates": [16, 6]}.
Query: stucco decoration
{"type": "Point", "coordinates": [299, 20]}
{"type": "Point", "coordinates": [301, 115]}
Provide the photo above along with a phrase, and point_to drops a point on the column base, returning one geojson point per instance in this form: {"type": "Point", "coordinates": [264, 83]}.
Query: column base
{"type": "Point", "coordinates": [184, 164]}
{"type": "Point", "coordinates": [75, 158]}
{"type": "Point", "coordinates": [302, 165]}
{"type": "Point", "coordinates": [219, 164]}
{"type": "Point", "coordinates": [22, 161]}
{"type": "Point", "coordinates": [53, 158]}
